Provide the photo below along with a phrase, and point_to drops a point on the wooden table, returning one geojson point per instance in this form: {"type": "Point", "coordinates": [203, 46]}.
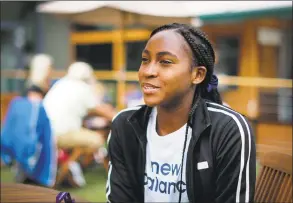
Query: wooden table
{"type": "Point", "coordinates": [13, 192]}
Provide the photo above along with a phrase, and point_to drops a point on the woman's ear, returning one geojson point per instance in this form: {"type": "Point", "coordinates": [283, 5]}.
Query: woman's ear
{"type": "Point", "coordinates": [198, 74]}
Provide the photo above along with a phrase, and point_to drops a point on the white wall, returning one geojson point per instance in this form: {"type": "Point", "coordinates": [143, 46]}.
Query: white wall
{"type": "Point", "coordinates": [56, 39]}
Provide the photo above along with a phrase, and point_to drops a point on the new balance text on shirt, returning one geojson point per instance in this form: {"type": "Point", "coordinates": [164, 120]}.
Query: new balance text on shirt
{"type": "Point", "coordinates": [165, 187]}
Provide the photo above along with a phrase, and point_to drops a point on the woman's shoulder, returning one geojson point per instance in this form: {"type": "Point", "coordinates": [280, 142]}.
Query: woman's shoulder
{"type": "Point", "coordinates": [126, 113]}
{"type": "Point", "coordinates": [223, 114]}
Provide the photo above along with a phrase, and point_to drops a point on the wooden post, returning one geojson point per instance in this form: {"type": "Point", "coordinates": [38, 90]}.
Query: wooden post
{"type": "Point", "coordinates": [249, 66]}
{"type": "Point", "coordinates": [119, 62]}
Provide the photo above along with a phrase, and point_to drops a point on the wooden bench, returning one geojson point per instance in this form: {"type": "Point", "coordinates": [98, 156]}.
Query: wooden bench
{"type": "Point", "coordinates": [274, 184]}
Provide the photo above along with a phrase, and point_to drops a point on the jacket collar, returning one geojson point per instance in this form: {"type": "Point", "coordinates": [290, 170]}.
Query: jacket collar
{"type": "Point", "coordinates": [199, 122]}
{"type": "Point", "coordinates": [141, 116]}
{"type": "Point", "coordinates": [201, 118]}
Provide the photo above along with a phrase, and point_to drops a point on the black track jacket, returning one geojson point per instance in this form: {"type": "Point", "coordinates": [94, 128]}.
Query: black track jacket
{"type": "Point", "coordinates": [220, 136]}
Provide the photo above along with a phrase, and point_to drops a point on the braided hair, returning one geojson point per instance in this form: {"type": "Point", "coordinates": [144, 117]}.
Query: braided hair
{"type": "Point", "coordinates": [202, 55]}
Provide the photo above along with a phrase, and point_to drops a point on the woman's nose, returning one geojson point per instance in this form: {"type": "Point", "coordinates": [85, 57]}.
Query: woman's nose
{"type": "Point", "coordinates": [150, 71]}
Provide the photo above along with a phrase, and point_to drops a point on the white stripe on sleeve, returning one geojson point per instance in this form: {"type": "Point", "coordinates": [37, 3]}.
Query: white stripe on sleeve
{"type": "Point", "coordinates": [242, 149]}
{"type": "Point", "coordinates": [249, 150]}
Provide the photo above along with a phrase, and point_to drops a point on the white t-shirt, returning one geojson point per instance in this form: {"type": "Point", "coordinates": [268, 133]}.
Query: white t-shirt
{"type": "Point", "coordinates": [67, 102]}
{"type": "Point", "coordinates": [163, 164]}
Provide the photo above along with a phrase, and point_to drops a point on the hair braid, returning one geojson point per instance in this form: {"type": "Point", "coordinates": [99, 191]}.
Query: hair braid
{"type": "Point", "coordinates": [204, 37]}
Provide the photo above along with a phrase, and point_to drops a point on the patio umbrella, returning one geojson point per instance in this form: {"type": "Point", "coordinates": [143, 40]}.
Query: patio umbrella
{"type": "Point", "coordinates": [151, 13]}
{"type": "Point", "coordinates": [118, 13]}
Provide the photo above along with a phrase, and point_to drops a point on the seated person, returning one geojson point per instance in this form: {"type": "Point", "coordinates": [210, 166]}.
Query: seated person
{"type": "Point", "coordinates": [94, 121]}
{"type": "Point", "coordinates": [26, 135]}
{"type": "Point", "coordinates": [69, 100]}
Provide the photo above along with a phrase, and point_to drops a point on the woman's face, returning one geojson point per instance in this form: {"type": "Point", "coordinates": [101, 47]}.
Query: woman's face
{"type": "Point", "coordinates": [165, 74]}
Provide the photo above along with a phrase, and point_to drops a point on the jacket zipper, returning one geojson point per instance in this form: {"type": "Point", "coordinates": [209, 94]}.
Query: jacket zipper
{"type": "Point", "coordinates": [190, 163]}
{"type": "Point", "coordinates": [189, 174]}
{"type": "Point", "coordinates": [142, 145]}
{"type": "Point", "coordinates": [191, 166]}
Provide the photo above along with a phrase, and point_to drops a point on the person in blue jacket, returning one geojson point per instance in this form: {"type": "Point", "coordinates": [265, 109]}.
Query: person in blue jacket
{"type": "Point", "coordinates": [26, 135]}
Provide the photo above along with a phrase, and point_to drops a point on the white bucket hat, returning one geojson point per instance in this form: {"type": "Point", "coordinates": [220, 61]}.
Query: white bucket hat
{"type": "Point", "coordinates": [80, 71]}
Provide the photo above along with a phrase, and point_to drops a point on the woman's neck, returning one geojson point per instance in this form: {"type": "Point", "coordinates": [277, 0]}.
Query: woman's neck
{"type": "Point", "coordinates": [172, 119]}
{"type": "Point", "coordinates": [34, 96]}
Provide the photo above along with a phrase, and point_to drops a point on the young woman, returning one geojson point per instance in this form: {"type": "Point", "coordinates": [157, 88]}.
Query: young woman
{"type": "Point", "coordinates": [183, 145]}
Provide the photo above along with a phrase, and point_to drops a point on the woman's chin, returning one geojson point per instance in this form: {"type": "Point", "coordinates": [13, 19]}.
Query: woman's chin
{"type": "Point", "coordinates": [151, 102]}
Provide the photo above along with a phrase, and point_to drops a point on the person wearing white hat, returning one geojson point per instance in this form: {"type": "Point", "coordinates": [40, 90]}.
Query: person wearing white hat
{"type": "Point", "coordinates": [68, 101]}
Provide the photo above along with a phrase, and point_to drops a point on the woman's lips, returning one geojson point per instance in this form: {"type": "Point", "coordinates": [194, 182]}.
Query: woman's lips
{"type": "Point", "coordinates": [149, 88]}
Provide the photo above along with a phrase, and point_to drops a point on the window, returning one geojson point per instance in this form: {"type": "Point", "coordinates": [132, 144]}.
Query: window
{"type": "Point", "coordinates": [285, 54]}
{"type": "Point", "coordinates": [275, 105]}
{"type": "Point", "coordinates": [227, 50]}
{"type": "Point", "coordinates": [81, 27]}
{"type": "Point", "coordinates": [133, 57]}
{"type": "Point", "coordinates": [99, 56]}
{"type": "Point", "coordinates": [276, 62]}
{"type": "Point", "coordinates": [9, 58]}
{"type": "Point", "coordinates": [12, 85]}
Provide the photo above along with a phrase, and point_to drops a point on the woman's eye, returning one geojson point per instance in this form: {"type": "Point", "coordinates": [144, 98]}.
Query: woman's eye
{"type": "Point", "coordinates": [143, 59]}
{"type": "Point", "coordinates": [166, 62]}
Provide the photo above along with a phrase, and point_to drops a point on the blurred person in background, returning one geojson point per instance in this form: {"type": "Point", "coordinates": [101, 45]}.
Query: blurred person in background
{"type": "Point", "coordinates": [26, 135]}
{"type": "Point", "coordinates": [100, 124]}
{"type": "Point", "coordinates": [92, 120]}
{"type": "Point", "coordinates": [184, 145]}
{"type": "Point", "coordinates": [68, 101]}
{"type": "Point", "coordinates": [38, 79]}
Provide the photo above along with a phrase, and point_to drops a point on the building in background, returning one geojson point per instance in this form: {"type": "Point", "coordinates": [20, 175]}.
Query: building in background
{"type": "Point", "coordinates": [256, 43]}
{"type": "Point", "coordinates": [252, 39]}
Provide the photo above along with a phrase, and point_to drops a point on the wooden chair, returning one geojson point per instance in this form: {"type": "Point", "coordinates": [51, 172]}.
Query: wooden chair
{"type": "Point", "coordinates": [274, 184]}
{"type": "Point", "coordinates": [105, 130]}
{"type": "Point", "coordinates": [262, 149]}
{"type": "Point", "coordinates": [77, 153]}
